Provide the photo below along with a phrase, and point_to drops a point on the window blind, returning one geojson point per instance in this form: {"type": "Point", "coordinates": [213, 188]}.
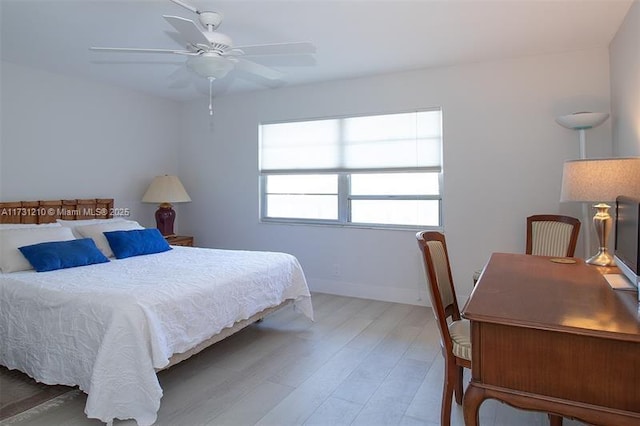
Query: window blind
{"type": "Point", "coordinates": [381, 142]}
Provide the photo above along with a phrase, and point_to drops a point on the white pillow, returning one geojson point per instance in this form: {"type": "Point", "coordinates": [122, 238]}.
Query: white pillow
{"type": "Point", "coordinates": [96, 232]}
{"type": "Point", "coordinates": [74, 224]}
{"type": "Point", "coordinates": [11, 260]}
{"type": "Point", "coordinates": [28, 225]}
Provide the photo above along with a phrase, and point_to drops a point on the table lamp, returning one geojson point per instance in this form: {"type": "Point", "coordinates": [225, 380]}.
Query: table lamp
{"type": "Point", "coordinates": [582, 121]}
{"type": "Point", "coordinates": [601, 181]}
{"type": "Point", "coordinates": [166, 190]}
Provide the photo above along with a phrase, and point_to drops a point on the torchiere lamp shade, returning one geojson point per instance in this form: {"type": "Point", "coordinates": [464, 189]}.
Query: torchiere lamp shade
{"type": "Point", "coordinates": [166, 190]}
{"type": "Point", "coordinates": [582, 120]}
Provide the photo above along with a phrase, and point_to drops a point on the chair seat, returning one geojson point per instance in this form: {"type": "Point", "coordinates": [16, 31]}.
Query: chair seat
{"type": "Point", "coordinates": [461, 335]}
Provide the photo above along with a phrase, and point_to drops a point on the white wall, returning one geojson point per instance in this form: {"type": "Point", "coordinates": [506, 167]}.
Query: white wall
{"type": "Point", "coordinates": [67, 138]}
{"type": "Point", "coordinates": [503, 156]}
{"type": "Point", "coordinates": [625, 85]}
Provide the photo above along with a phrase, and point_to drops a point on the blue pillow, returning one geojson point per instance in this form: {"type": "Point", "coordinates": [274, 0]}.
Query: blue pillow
{"type": "Point", "coordinates": [136, 242]}
{"type": "Point", "coordinates": [62, 254]}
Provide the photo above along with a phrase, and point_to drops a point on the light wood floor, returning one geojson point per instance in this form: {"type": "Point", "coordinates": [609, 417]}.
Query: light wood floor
{"type": "Point", "coordinates": [361, 362]}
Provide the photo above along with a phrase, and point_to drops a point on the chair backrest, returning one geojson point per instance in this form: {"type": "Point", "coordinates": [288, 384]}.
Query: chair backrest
{"type": "Point", "coordinates": [552, 235]}
{"type": "Point", "coordinates": [440, 283]}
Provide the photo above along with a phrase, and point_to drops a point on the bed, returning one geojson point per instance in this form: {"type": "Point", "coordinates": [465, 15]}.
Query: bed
{"type": "Point", "coordinates": [108, 327]}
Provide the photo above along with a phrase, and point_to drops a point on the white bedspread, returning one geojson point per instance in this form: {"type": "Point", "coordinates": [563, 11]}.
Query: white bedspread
{"type": "Point", "coordinates": [107, 327]}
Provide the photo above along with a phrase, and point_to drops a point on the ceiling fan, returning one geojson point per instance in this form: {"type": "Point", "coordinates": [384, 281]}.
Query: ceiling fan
{"type": "Point", "coordinates": [212, 55]}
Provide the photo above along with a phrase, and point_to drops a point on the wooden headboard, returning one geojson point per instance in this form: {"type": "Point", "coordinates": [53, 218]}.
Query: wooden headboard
{"type": "Point", "coordinates": [48, 211]}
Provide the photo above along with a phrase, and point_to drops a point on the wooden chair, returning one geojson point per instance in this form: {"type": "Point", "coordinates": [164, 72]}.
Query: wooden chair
{"type": "Point", "coordinates": [455, 332]}
{"type": "Point", "coordinates": [549, 235]}
{"type": "Point", "coordinates": [552, 235]}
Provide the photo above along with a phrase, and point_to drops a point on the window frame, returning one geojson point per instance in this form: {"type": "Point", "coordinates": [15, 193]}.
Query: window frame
{"type": "Point", "coordinates": [344, 187]}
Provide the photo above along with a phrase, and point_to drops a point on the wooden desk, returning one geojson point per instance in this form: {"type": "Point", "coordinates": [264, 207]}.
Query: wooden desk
{"type": "Point", "coordinates": [556, 338]}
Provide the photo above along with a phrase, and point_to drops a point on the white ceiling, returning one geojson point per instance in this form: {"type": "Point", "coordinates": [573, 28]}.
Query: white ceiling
{"type": "Point", "coordinates": [353, 38]}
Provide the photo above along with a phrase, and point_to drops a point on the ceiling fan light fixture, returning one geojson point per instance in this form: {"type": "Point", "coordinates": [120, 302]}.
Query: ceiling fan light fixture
{"type": "Point", "coordinates": [210, 66]}
{"type": "Point", "coordinates": [212, 54]}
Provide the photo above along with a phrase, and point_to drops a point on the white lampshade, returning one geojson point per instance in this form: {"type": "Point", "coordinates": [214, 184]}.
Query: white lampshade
{"type": "Point", "coordinates": [582, 120]}
{"type": "Point", "coordinates": [166, 189]}
{"type": "Point", "coordinates": [600, 180]}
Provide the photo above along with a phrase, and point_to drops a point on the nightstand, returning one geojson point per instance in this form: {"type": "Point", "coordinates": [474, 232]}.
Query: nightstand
{"type": "Point", "coordinates": [180, 240]}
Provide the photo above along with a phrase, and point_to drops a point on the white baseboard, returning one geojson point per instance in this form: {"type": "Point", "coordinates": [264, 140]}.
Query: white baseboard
{"type": "Point", "coordinates": [386, 294]}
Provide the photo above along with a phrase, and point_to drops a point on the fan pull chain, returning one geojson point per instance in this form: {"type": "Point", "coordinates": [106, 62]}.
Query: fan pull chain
{"type": "Point", "coordinates": [211, 95]}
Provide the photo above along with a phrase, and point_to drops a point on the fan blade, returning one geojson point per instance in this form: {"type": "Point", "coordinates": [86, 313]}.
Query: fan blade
{"type": "Point", "coordinates": [188, 29]}
{"type": "Point", "coordinates": [257, 69]}
{"type": "Point", "coordinates": [186, 6]}
{"type": "Point", "coordinates": [285, 60]}
{"type": "Point", "coordinates": [299, 48]}
{"type": "Point", "coordinates": [107, 62]}
{"type": "Point", "coordinates": [180, 78]}
{"type": "Point", "coordinates": [137, 50]}
{"type": "Point", "coordinates": [260, 81]}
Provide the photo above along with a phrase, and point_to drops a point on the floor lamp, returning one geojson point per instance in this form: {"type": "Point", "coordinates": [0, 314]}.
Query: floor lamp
{"type": "Point", "coordinates": [582, 121]}
{"type": "Point", "coordinates": [601, 181]}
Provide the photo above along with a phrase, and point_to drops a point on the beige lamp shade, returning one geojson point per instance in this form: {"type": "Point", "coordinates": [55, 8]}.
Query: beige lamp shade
{"type": "Point", "coordinates": [166, 189]}
{"type": "Point", "coordinates": [600, 180]}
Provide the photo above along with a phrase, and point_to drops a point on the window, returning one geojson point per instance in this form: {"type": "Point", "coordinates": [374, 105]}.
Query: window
{"type": "Point", "coordinates": [381, 170]}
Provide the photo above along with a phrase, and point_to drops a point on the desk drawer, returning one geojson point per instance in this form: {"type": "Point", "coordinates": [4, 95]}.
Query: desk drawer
{"type": "Point", "coordinates": [598, 371]}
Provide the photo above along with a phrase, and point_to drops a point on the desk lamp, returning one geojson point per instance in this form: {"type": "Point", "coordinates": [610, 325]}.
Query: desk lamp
{"type": "Point", "coordinates": [601, 180]}
{"type": "Point", "coordinates": [166, 190]}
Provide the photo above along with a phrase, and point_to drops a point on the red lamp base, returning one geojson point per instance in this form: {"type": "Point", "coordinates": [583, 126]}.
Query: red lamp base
{"type": "Point", "coordinates": [165, 216]}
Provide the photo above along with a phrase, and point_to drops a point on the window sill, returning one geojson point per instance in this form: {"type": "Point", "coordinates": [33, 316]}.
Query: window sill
{"type": "Point", "coordinates": [405, 228]}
